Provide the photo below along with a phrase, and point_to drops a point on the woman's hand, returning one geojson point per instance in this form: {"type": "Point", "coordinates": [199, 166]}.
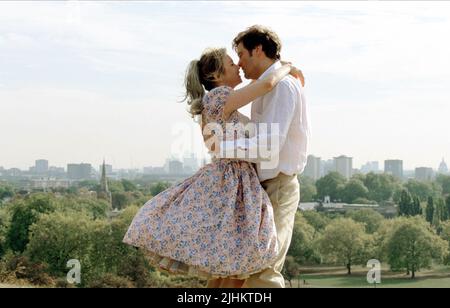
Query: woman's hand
{"type": "Point", "coordinates": [297, 73]}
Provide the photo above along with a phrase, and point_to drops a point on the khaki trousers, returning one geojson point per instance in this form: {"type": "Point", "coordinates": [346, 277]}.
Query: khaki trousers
{"type": "Point", "coordinates": [284, 193]}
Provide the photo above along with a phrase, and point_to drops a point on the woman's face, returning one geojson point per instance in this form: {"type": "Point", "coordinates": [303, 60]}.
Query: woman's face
{"type": "Point", "coordinates": [231, 76]}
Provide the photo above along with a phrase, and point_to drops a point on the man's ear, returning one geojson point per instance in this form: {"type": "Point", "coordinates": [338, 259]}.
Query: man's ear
{"type": "Point", "coordinates": [258, 51]}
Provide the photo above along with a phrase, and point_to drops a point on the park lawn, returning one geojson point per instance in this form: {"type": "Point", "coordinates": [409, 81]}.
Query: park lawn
{"type": "Point", "coordinates": [334, 277]}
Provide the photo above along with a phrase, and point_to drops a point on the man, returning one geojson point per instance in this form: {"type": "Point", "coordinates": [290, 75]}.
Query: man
{"type": "Point", "coordinates": [258, 49]}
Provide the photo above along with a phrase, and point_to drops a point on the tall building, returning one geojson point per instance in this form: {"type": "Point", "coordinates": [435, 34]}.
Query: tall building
{"type": "Point", "coordinates": [79, 171]}
{"type": "Point", "coordinates": [424, 174]}
{"type": "Point", "coordinates": [154, 170]}
{"type": "Point", "coordinates": [327, 166]}
{"type": "Point", "coordinates": [371, 166]}
{"type": "Point", "coordinates": [174, 166]}
{"type": "Point", "coordinates": [56, 171]}
{"type": "Point", "coordinates": [313, 167]}
{"type": "Point", "coordinates": [394, 167]}
{"type": "Point", "coordinates": [443, 167]}
{"type": "Point", "coordinates": [41, 166]}
{"type": "Point", "coordinates": [344, 166]}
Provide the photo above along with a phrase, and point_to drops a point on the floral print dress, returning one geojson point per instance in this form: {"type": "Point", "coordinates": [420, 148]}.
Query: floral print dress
{"type": "Point", "coordinates": [217, 223]}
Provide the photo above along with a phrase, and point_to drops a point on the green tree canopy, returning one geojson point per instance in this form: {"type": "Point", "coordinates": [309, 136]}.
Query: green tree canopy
{"type": "Point", "coordinates": [159, 187]}
{"type": "Point", "coordinates": [308, 187]}
{"type": "Point", "coordinates": [381, 186]}
{"type": "Point", "coordinates": [316, 219]}
{"type": "Point", "coordinates": [353, 190]}
{"type": "Point", "coordinates": [420, 189]}
{"type": "Point", "coordinates": [24, 214]}
{"type": "Point", "coordinates": [344, 241]}
{"type": "Point", "coordinates": [370, 218]}
{"type": "Point", "coordinates": [413, 245]}
{"type": "Point", "coordinates": [302, 246]}
{"type": "Point", "coordinates": [330, 185]}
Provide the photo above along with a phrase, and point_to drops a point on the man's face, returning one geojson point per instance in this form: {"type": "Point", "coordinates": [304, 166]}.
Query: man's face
{"type": "Point", "coordinates": [246, 62]}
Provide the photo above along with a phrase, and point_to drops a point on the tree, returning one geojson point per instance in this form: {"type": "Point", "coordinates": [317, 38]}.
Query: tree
{"type": "Point", "coordinates": [6, 192]}
{"type": "Point", "coordinates": [405, 206]}
{"type": "Point", "coordinates": [308, 188]}
{"type": "Point", "coordinates": [381, 186]}
{"type": "Point", "coordinates": [120, 200]}
{"type": "Point", "coordinates": [445, 235]}
{"type": "Point", "coordinates": [353, 190]}
{"type": "Point", "coordinates": [413, 246]}
{"type": "Point", "coordinates": [24, 214]}
{"type": "Point", "coordinates": [317, 220]}
{"type": "Point", "coordinates": [91, 185]}
{"type": "Point", "coordinates": [93, 207]}
{"type": "Point", "coordinates": [383, 236]}
{"type": "Point", "coordinates": [409, 206]}
{"type": "Point", "coordinates": [444, 182]}
{"type": "Point", "coordinates": [128, 185]}
{"type": "Point", "coordinates": [429, 211]}
{"type": "Point", "coordinates": [56, 238]}
{"type": "Point", "coordinates": [443, 210]}
{"type": "Point", "coordinates": [111, 255]}
{"type": "Point", "coordinates": [370, 218]}
{"type": "Point", "coordinates": [97, 244]}
{"type": "Point", "coordinates": [4, 219]}
{"type": "Point", "coordinates": [159, 187]}
{"type": "Point", "coordinates": [344, 240]}
{"type": "Point", "coordinates": [302, 248]}
{"type": "Point", "coordinates": [417, 208]}
{"type": "Point", "coordinates": [329, 186]}
{"type": "Point", "coordinates": [447, 206]}
{"type": "Point", "coordinates": [291, 269]}
{"type": "Point", "coordinates": [420, 189]}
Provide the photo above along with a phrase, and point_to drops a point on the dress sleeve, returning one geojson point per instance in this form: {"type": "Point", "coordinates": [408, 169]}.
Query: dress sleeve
{"type": "Point", "coordinates": [215, 102]}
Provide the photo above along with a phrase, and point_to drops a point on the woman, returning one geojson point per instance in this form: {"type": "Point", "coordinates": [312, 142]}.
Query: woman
{"type": "Point", "coordinates": [217, 224]}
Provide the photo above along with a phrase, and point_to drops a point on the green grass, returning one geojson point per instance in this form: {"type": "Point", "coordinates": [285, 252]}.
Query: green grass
{"type": "Point", "coordinates": [335, 277]}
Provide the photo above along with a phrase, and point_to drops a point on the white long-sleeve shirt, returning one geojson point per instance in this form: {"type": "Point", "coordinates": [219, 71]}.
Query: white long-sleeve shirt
{"type": "Point", "coordinates": [285, 106]}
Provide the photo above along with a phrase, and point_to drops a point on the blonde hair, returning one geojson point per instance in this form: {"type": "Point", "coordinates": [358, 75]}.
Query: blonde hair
{"type": "Point", "coordinates": [202, 74]}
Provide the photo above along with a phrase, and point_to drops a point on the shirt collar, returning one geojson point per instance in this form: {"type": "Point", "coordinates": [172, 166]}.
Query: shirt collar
{"type": "Point", "coordinates": [271, 68]}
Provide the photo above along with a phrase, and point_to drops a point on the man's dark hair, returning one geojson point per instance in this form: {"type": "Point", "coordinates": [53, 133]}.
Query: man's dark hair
{"type": "Point", "coordinates": [260, 35]}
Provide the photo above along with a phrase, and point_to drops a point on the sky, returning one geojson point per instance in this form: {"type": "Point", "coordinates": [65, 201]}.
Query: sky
{"type": "Point", "coordinates": [85, 80]}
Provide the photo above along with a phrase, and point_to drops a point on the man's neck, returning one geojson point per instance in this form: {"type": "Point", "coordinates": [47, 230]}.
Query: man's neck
{"type": "Point", "coordinates": [265, 64]}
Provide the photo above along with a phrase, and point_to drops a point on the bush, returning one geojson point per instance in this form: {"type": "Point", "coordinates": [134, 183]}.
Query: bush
{"type": "Point", "coordinates": [20, 267]}
{"type": "Point", "coordinates": [57, 238]}
{"type": "Point", "coordinates": [24, 214]}
{"type": "Point", "coordinates": [111, 281]}
{"type": "Point", "coordinates": [62, 283]}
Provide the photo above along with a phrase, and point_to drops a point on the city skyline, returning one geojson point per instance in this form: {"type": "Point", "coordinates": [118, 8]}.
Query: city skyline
{"type": "Point", "coordinates": [83, 80]}
{"type": "Point", "coordinates": [192, 160]}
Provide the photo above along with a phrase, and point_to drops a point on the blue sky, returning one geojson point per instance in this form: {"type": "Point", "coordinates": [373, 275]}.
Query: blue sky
{"type": "Point", "coordinates": [80, 81]}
